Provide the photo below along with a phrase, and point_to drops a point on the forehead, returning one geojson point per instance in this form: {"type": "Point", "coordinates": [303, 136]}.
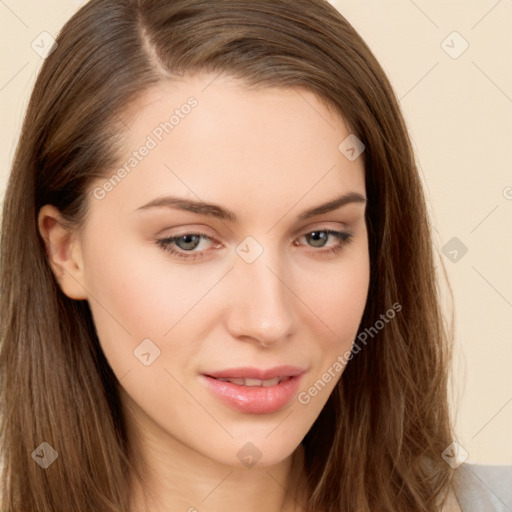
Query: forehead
{"type": "Point", "coordinates": [214, 138]}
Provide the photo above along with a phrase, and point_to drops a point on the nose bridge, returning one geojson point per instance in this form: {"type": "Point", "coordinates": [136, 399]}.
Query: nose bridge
{"type": "Point", "coordinates": [262, 305]}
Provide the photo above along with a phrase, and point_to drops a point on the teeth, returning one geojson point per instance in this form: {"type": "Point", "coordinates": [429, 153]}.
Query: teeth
{"type": "Point", "coordinates": [240, 382]}
{"type": "Point", "coordinates": [271, 382]}
{"type": "Point", "coordinates": [254, 382]}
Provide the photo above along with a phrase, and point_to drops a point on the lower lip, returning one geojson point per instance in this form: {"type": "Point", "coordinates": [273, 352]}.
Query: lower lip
{"type": "Point", "coordinates": [254, 399]}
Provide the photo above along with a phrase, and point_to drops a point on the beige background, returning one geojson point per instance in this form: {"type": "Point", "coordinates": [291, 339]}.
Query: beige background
{"type": "Point", "coordinates": [459, 112]}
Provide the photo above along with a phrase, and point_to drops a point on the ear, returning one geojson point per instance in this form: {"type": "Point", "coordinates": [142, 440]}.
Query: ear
{"type": "Point", "coordinates": [64, 252]}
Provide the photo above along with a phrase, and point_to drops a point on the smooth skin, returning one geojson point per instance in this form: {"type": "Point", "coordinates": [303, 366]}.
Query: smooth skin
{"type": "Point", "coordinates": [267, 154]}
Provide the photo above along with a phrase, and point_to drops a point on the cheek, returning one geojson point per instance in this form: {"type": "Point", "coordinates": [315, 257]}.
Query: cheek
{"type": "Point", "coordinates": [339, 296]}
{"type": "Point", "coordinates": [338, 305]}
{"type": "Point", "coordinates": [344, 303]}
{"type": "Point", "coordinates": [136, 294]}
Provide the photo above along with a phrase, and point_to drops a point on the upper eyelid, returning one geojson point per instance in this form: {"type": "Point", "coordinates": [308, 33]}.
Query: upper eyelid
{"type": "Point", "coordinates": [300, 232]}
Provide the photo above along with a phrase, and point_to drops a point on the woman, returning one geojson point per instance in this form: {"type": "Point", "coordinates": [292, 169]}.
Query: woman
{"type": "Point", "coordinates": [217, 276]}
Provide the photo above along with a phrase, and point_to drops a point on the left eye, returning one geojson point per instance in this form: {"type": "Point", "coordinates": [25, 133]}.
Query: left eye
{"type": "Point", "coordinates": [184, 245]}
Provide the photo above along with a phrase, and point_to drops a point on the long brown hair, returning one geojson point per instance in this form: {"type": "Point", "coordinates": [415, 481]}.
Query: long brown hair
{"type": "Point", "coordinates": [378, 441]}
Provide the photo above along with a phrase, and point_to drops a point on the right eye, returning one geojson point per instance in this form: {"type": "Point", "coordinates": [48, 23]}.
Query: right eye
{"type": "Point", "coordinates": [186, 243]}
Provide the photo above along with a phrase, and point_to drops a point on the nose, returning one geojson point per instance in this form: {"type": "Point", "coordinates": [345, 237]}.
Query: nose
{"type": "Point", "coordinates": [261, 307]}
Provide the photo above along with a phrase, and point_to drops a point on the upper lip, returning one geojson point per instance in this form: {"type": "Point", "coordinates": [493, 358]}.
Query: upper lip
{"type": "Point", "coordinates": [256, 373]}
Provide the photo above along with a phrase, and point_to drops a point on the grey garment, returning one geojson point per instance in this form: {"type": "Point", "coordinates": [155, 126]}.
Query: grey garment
{"type": "Point", "coordinates": [484, 488]}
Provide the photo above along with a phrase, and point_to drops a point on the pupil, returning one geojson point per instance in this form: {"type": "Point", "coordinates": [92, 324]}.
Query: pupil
{"type": "Point", "coordinates": [189, 239]}
{"type": "Point", "coordinates": [322, 237]}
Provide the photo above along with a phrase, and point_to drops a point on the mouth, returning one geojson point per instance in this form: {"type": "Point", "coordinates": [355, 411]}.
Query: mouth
{"type": "Point", "coordinates": [255, 382]}
{"type": "Point", "coordinates": [253, 390]}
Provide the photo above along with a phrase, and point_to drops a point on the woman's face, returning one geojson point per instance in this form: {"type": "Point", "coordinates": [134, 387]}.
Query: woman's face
{"type": "Point", "coordinates": [264, 292]}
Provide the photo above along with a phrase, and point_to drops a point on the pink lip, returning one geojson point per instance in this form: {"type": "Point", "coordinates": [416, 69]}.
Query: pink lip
{"type": "Point", "coordinates": [255, 399]}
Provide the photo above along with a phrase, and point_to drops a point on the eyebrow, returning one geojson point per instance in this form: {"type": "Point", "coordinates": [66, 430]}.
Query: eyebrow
{"type": "Point", "coordinates": [222, 213]}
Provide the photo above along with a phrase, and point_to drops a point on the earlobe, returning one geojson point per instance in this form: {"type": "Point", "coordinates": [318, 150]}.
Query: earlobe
{"type": "Point", "coordinates": [63, 251]}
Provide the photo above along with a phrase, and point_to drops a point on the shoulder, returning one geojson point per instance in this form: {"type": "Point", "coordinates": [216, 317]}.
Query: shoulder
{"type": "Point", "coordinates": [483, 488]}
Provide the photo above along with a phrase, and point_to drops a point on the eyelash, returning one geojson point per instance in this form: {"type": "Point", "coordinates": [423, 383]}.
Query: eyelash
{"type": "Point", "coordinates": [344, 238]}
